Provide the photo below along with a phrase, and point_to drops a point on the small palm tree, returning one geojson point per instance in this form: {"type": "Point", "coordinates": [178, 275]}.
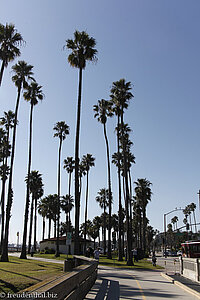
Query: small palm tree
{"type": "Point", "coordinates": [88, 162]}
{"type": "Point", "coordinates": [47, 207]}
{"type": "Point", "coordinates": [192, 208]}
{"type": "Point", "coordinates": [103, 110]}
{"type": "Point", "coordinates": [36, 189]}
{"type": "Point", "coordinates": [23, 73]}
{"type": "Point", "coordinates": [69, 167]}
{"type": "Point", "coordinates": [103, 200]}
{"type": "Point", "coordinates": [10, 40]}
{"type": "Point", "coordinates": [143, 196]}
{"type": "Point", "coordinates": [66, 204]}
{"type": "Point", "coordinates": [32, 94]}
{"type": "Point", "coordinates": [61, 131]}
{"type": "Point", "coordinates": [82, 50]}
{"type": "Point", "coordinates": [98, 223]}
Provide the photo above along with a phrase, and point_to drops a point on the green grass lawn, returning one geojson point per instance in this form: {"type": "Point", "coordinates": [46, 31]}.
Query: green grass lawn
{"type": "Point", "coordinates": [141, 264]}
{"type": "Point", "coordinates": [18, 274]}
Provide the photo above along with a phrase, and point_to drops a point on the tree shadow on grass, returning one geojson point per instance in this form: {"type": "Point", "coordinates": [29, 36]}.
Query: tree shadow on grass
{"type": "Point", "coordinates": [21, 275]}
{"type": "Point", "coordinates": [7, 285]}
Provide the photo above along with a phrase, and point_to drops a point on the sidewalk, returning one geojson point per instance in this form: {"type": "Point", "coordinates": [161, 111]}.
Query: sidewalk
{"type": "Point", "coordinates": [185, 283]}
{"type": "Point", "coordinates": [55, 261]}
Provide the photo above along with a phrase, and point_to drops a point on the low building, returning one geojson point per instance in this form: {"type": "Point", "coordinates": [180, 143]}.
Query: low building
{"type": "Point", "coordinates": [50, 244]}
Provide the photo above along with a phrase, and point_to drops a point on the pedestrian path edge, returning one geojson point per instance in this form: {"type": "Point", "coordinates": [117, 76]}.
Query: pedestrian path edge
{"type": "Point", "coordinates": [181, 285]}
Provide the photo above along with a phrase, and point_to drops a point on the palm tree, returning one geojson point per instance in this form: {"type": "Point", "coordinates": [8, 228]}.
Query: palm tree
{"type": "Point", "coordinates": [43, 211]}
{"type": "Point", "coordinates": [88, 162]}
{"type": "Point", "coordinates": [120, 96]}
{"type": "Point", "coordinates": [10, 40]}
{"type": "Point", "coordinates": [143, 196]}
{"type": "Point", "coordinates": [69, 167]}
{"type": "Point", "coordinates": [32, 94]}
{"type": "Point", "coordinates": [23, 73]}
{"type": "Point", "coordinates": [103, 200]}
{"type": "Point", "coordinates": [103, 110]}
{"type": "Point", "coordinates": [47, 207]}
{"type": "Point", "coordinates": [98, 223]}
{"type": "Point", "coordinates": [93, 232]}
{"type": "Point", "coordinates": [66, 204]}
{"type": "Point", "coordinates": [82, 50]}
{"type": "Point", "coordinates": [8, 122]}
{"type": "Point", "coordinates": [192, 208]}
{"type": "Point", "coordinates": [36, 189]}
{"type": "Point", "coordinates": [61, 130]}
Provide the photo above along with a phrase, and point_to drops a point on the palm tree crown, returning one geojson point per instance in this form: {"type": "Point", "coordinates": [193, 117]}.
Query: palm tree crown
{"type": "Point", "coordinates": [61, 130]}
{"type": "Point", "coordinates": [33, 93]}
{"type": "Point", "coordinates": [10, 39]}
{"type": "Point", "coordinates": [23, 72]}
{"type": "Point", "coordinates": [120, 94]}
{"type": "Point", "coordinates": [103, 110]}
{"type": "Point", "coordinates": [82, 49]}
{"type": "Point", "coordinates": [88, 161]}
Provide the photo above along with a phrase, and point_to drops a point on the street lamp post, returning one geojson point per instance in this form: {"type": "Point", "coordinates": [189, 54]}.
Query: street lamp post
{"type": "Point", "coordinates": [165, 230]}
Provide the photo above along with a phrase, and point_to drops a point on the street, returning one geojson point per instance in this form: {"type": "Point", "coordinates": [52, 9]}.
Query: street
{"type": "Point", "coordinates": [171, 264]}
{"type": "Point", "coordinates": [113, 284]}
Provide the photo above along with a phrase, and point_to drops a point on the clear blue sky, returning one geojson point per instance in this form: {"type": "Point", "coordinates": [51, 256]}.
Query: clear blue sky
{"type": "Point", "coordinates": [155, 45]}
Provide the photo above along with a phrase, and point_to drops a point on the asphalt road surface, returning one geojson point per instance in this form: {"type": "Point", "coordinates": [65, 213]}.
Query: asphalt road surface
{"type": "Point", "coordinates": [113, 284]}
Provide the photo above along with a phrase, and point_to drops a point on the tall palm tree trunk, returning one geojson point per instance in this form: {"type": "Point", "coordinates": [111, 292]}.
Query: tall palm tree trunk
{"type": "Point", "coordinates": [31, 224]}
{"type": "Point", "coordinates": [144, 229]}
{"type": "Point", "coordinates": [43, 227]}
{"type": "Point", "coordinates": [129, 237]}
{"type": "Point", "coordinates": [2, 212]}
{"type": "Point", "coordinates": [120, 252]}
{"type": "Point", "coordinates": [69, 216]}
{"type": "Point", "coordinates": [1, 72]}
{"type": "Point", "coordinates": [130, 205]}
{"type": "Point", "coordinates": [49, 233]}
{"type": "Point", "coordinates": [4, 256]}
{"type": "Point", "coordinates": [77, 198]}
{"type": "Point", "coordinates": [55, 227]}
{"type": "Point", "coordinates": [23, 253]}
{"type": "Point", "coordinates": [35, 227]}
{"type": "Point", "coordinates": [86, 207]}
{"type": "Point", "coordinates": [109, 255]}
{"type": "Point", "coordinates": [58, 203]}
{"type": "Point", "coordinates": [3, 192]}
{"type": "Point", "coordinates": [104, 231]}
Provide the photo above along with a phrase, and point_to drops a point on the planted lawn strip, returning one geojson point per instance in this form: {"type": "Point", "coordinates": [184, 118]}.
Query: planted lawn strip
{"type": "Point", "coordinates": [141, 264]}
{"type": "Point", "coordinates": [19, 274]}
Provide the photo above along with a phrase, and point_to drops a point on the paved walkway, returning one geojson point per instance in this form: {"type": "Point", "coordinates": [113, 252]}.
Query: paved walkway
{"type": "Point", "coordinates": [56, 261]}
{"type": "Point", "coordinates": [113, 284]}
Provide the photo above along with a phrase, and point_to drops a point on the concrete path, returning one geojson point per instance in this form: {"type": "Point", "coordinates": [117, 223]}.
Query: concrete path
{"type": "Point", "coordinates": [113, 284]}
{"type": "Point", "coordinates": [55, 261]}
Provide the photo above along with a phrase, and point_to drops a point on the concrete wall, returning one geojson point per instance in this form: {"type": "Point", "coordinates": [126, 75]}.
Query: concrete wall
{"type": "Point", "coordinates": [190, 268]}
{"type": "Point", "coordinates": [62, 248]}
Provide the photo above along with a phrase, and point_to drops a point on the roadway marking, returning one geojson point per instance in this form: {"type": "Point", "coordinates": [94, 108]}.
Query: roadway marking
{"type": "Point", "coordinates": [141, 290]}
{"type": "Point", "coordinates": [139, 286]}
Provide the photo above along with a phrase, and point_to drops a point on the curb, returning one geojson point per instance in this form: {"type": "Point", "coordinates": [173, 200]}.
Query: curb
{"type": "Point", "coordinates": [181, 285]}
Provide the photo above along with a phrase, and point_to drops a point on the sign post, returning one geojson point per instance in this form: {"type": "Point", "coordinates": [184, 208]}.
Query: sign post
{"type": "Point", "coordinates": [68, 241]}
